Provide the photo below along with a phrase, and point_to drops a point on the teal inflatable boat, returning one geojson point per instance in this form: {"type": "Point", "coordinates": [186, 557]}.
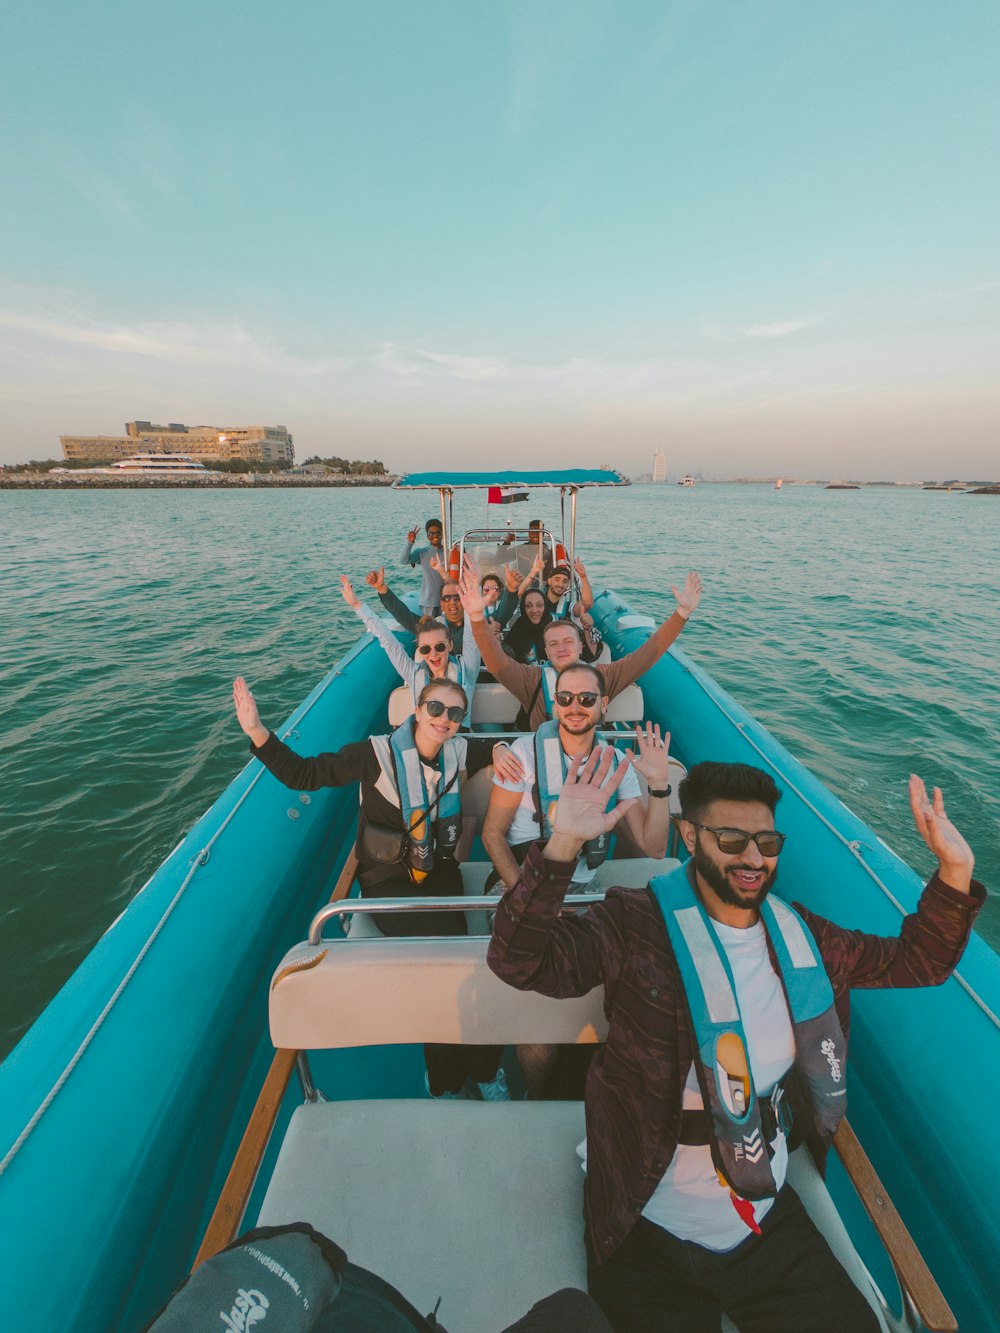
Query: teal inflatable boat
{"type": "Point", "coordinates": [229, 1054]}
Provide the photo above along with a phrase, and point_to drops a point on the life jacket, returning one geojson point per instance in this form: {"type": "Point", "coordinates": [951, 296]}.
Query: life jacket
{"type": "Point", "coordinates": [455, 672]}
{"type": "Point", "coordinates": [433, 822]}
{"type": "Point", "coordinates": [548, 684]}
{"type": "Point", "coordinates": [550, 774]}
{"type": "Point", "coordinates": [740, 1151]}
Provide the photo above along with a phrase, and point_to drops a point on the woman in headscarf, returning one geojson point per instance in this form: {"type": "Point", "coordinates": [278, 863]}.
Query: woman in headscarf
{"type": "Point", "coordinates": [524, 638]}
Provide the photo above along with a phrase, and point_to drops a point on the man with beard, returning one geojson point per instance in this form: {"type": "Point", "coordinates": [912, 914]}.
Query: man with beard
{"type": "Point", "coordinates": [723, 1005]}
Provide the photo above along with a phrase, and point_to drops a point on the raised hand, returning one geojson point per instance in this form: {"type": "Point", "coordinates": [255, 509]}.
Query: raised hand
{"type": "Point", "coordinates": [375, 578]}
{"type": "Point", "coordinates": [473, 602]}
{"type": "Point", "coordinates": [411, 536]}
{"type": "Point", "coordinates": [653, 757]}
{"type": "Point", "coordinates": [581, 811]}
{"type": "Point", "coordinates": [580, 567]}
{"type": "Point", "coordinates": [688, 600]}
{"type": "Point", "coordinates": [954, 855]}
{"type": "Point", "coordinates": [537, 565]}
{"type": "Point", "coordinates": [513, 577]}
{"type": "Point", "coordinates": [350, 596]}
{"type": "Point", "coordinates": [437, 566]}
{"type": "Point", "coordinates": [246, 711]}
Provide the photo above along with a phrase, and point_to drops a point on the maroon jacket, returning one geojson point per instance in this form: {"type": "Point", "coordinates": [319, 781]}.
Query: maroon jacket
{"type": "Point", "coordinates": [636, 1082]}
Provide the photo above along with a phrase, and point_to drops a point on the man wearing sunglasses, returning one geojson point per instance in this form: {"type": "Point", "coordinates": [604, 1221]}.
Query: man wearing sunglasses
{"type": "Point", "coordinates": [409, 826]}
{"type": "Point", "coordinates": [448, 595]}
{"type": "Point", "coordinates": [517, 813]}
{"type": "Point", "coordinates": [685, 1218]}
{"type": "Point", "coordinates": [425, 556]}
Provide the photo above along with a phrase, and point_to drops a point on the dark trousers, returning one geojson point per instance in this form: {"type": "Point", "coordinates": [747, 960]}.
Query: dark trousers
{"type": "Point", "coordinates": [447, 1066]}
{"type": "Point", "coordinates": [785, 1280]}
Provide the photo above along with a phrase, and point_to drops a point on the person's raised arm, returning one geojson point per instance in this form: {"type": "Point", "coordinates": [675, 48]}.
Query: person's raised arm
{"type": "Point", "coordinates": [626, 669]}
{"type": "Point", "coordinates": [246, 712]}
{"type": "Point", "coordinates": [954, 855]}
{"type": "Point", "coordinates": [336, 768]}
{"type": "Point", "coordinates": [394, 650]}
{"type": "Point", "coordinates": [533, 947]}
{"type": "Point", "coordinates": [533, 577]}
{"type": "Point", "coordinates": [650, 825]}
{"type": "Point", "coordinates": [397, 608]}
{"type": "Point", "coordinates": [586, 591]}
{"type": "Point", "coordinates": [932, 939]}
{"type": "Point", "coordinates": [410, 556]}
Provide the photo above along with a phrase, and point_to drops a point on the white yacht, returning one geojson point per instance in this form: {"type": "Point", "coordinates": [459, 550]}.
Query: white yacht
{"type": "Point", "coordinates": [160, 465]}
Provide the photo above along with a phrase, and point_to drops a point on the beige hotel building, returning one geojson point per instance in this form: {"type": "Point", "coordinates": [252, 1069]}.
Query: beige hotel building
{"type": "Point", "coordinates": [208, 444]}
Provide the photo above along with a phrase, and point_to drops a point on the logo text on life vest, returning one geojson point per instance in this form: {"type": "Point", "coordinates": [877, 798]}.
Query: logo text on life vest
{"type": "Point", "coordinates": [249, 1308]}
{"type": "Point", "coordinates": [829, 1050]}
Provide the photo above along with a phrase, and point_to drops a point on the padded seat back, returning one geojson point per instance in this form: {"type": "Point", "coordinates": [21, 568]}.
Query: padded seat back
{"type": "Point", "coordinates": [629, 706]}
{"type": "Point", "coordinates": [400, 705]}
{"type": "Point", "coordinates": [494, 704]}
{"type": "Point", "coordinates": [392, 991]}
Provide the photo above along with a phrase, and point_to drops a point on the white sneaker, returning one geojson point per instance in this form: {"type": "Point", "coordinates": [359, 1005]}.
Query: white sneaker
{"type": "Point", "coordinates": [497, 1091]}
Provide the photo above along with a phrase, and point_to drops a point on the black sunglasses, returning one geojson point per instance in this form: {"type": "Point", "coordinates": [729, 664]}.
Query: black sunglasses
{"type": "Point", "coordinates": [435, 707]}
{"type": "Point", "coordinates": [450, 597]}
{"type": "Point", "coordinates": [587, 698]}
{"type": "Point", "coordinates": [426, 648]}
{"type": "Point", "coordinates": [732, 841]}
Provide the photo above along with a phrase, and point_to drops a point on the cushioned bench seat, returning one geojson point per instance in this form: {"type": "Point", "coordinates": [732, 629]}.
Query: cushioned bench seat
{"type": "Point", "coordinates": [478, 1203]}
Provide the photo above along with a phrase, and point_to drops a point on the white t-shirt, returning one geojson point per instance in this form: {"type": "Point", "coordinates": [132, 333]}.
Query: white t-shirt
{"type": "Point", "coordinates": [524, 826]}
{"type": "Point", "coordinates": [689, 1202]}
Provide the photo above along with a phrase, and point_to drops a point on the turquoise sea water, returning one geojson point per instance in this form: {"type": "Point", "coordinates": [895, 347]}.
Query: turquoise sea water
{"type": "Point", "coordinates": [862, 627]}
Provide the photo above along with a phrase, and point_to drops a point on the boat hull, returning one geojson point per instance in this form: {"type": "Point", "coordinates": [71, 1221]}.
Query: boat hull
{"type": "Point", "coordinates": [134, 1146]}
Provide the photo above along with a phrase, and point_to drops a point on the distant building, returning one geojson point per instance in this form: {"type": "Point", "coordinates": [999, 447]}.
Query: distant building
{"type": "Point", "coordinates": [659, 466]}
{"type": "Point", "coordinates": [210, 444]}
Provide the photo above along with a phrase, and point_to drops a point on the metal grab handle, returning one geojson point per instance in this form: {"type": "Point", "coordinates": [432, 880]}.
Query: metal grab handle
{"type": "Point", "coordinates": [347, 906]}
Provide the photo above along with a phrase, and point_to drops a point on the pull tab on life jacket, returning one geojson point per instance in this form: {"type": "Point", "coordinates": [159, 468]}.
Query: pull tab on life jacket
{"type": "Point", "coordinates": [550, 774]}
{"type": "Point", "coordinates": [740, 1151]}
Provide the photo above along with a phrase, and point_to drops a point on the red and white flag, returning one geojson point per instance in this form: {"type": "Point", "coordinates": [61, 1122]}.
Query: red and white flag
{"type": "Point", "coordinates": [500, 495]}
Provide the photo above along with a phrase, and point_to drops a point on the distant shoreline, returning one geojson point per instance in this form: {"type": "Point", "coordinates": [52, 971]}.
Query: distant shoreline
{"type": "Point", "coordinates": [237, 481]}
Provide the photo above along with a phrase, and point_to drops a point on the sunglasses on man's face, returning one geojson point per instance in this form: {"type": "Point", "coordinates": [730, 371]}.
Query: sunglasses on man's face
{"type": "Point", "coordinates": [732, 841]}
{"type": "Point", "coordinates": [435, 708]}
{"type": "Point", "coordinates": [586, 699]}
{"type": "Point", "coordinates": [426, 648]}
{"type": "Point", "coordinates": [450, 597]}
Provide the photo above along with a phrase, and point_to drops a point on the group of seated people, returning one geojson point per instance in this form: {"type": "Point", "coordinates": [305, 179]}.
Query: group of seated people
{"type": "Point", "coordinates": [412, 834]}
{"type": "Point", "coordinates": [667, 1247]}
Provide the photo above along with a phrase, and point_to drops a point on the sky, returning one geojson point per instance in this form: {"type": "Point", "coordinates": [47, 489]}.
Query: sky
{"type": "Point", "coordinates": [763, 236]}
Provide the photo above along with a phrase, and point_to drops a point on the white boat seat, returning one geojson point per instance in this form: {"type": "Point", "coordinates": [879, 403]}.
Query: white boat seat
{"type": "Point", "coordinates": [494, 704]}
{"type": "Point", "coordinates": [442, 1198]}
{"type": "Point", "coordinates": [400, 705]}
{"type": "Point", "coordinates": [438, 1196]}
{"type": "Point", "coordinates": [629, 706]}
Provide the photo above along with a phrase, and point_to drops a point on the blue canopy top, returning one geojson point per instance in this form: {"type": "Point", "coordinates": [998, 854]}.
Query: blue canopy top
{"type": "Point", "coordinates": [455, 481]}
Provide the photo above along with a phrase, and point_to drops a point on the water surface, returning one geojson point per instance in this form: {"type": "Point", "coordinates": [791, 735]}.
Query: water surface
{"type": "Point", "coordinates": [862, 627]}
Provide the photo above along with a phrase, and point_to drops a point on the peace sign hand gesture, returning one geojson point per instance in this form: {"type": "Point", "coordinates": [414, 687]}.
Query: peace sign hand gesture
{"type": "Point", "coordinates": [954, 855]}
{"type": "Point", "coordinates": [581, 811]}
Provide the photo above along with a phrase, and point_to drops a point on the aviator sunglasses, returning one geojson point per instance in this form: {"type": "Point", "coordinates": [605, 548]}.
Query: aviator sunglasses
{"type": "Point", "coordinates": [426, 648]}
{"type": "Point", "coordinates": [587, 698]}
{"type": "Point", "coordinates": [435, 707]}
{"type": "Point", "coordinates": [732, 841]}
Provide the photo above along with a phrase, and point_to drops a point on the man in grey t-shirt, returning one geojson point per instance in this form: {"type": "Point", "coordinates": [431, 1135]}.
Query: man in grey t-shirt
{"type": "Point", "coordinates": [430, 588]}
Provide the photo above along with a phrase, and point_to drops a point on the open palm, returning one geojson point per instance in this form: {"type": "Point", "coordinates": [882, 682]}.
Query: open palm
{"type": "Point", "coordinates": [581, 811]}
